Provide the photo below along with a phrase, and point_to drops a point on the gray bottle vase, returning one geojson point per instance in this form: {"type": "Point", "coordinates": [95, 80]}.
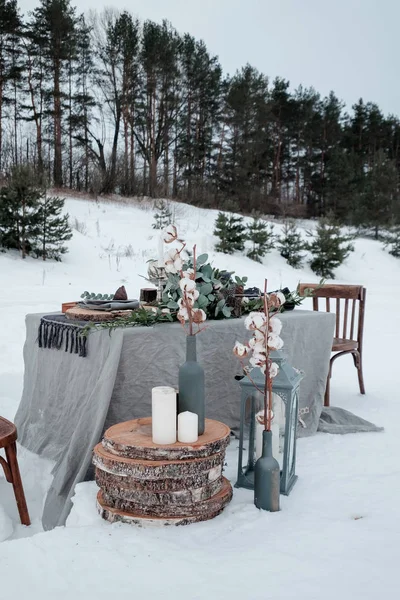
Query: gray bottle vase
{"type": "Point", "coordinates": [191, 384]}
{"type": "Point", "coordinates": [267, 477]}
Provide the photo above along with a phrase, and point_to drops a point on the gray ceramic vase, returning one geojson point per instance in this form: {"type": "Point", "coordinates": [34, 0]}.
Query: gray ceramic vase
{"type": "Point", "coordinates": [191, 384]}
{"type": "Point", "coordinates": [267, 477]}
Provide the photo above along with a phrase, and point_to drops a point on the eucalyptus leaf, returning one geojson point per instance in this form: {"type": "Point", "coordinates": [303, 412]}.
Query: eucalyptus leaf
{"type": "Point", "coordinates": [226, 311]}
{"type": "Point", "coordinates": [172, 304]}
{"type": "Point", "coordinates": [211, 297]}
{"type": "Point", "coordinates": [221, 303]}
{"type": "Point", "coordinates": [206, 289]}
{"type": "Point", "coordinates": [202, 301]}
{"type": "Point", "coordinates": [203, 258]}
{"type": "Point", "coordinates": [207, 271]}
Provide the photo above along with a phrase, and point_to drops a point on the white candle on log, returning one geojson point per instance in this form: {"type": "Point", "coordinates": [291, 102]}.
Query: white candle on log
{"type": "Point", "coordinates": [163, 415]}
{"type": "Point", "coordinates": [161, 261]}
{"type": "Point", "coordinates": [188, 424]}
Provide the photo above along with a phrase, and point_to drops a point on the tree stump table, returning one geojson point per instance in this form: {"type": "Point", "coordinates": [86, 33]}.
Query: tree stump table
{"type": "Point", "coordinates": [143, 483]}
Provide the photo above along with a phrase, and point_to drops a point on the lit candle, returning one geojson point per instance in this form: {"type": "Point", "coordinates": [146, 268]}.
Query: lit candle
{"type": "Point", "coordinates": [161, 262]}
{"type": "Point", "coordinates": [188, 424]}
{"type": "Point", "coordinates": [163, 415]}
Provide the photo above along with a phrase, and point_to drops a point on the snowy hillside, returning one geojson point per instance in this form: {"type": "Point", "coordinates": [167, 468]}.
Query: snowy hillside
{"type": "Point", "coordinates": [337, 533]}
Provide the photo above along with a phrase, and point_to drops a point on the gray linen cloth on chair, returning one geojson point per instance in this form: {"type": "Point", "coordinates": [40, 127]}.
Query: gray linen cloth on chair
{"type": "Point", "coordinates": [67, 402]}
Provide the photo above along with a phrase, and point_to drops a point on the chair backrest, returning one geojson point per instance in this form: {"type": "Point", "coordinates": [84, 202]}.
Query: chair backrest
{"type": "Point", "coordinates": [348, 302]}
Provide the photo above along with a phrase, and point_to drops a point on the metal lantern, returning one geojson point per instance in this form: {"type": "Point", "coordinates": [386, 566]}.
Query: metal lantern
{"type": "Point", "coordinates": [285, 408]}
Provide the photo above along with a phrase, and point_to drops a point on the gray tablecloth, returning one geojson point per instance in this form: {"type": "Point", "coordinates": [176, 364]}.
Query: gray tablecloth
{"type": "Point", "coordinates": [69, 401]}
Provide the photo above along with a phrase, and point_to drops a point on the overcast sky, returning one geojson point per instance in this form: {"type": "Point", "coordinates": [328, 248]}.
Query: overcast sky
{"type": "Point", "coordinates": [349, 46]}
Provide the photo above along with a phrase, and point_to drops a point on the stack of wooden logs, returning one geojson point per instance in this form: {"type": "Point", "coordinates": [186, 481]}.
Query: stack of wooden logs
{"type": "Point", "coordinates": [146, 484]}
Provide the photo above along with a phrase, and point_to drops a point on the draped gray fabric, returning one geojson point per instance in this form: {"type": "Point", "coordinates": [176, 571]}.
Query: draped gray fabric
{"type": "Point", "coordinates": [67, 402]}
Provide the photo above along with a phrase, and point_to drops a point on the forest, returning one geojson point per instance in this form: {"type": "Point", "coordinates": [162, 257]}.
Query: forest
{"type": "Point", "coordinates": [105, 103]}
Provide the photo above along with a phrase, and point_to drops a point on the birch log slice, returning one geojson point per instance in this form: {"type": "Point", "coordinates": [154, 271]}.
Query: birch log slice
{"type": "Point", "coordinates": [209, 509]}
{"type": "Point", "coordinates": [96, 316]}
{"type": "Point", "coordinates": [133, 439]}
{"type": "Point", "coordinates": [141, 469]}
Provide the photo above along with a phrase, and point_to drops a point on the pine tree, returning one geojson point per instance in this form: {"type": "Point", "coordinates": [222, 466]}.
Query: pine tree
{"type": "Point", "coordinates": [262, 238]}
{"type": "Point", "coordinates": [392, 239]}
{"type": "Point", "coordinates": [231, 233]}
{"type": "Point", "coordinates": [329, 248]}
{"type": "Point", "coordinates": [52, 30]}
{"type": "Point", "coordinates": [163, 216]}
{"type": "Point", "coordinates": [19, 203]}
{"type": "Point", "coordinates": [290, 245]}
{"type": "Point", "coordinates": [52, 228]}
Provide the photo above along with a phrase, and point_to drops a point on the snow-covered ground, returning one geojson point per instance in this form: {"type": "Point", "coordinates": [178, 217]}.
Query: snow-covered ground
{"type": "Point", "coordinates": [337, 535]}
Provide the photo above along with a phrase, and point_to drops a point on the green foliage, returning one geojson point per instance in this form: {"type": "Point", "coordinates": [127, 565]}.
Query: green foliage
{"type": "Point", "coordinates": [138, 318]}
{"type": "Point", "coordinates": [392, 239]}
{"type": "Point", "coordinates": [19, 211]}
{"type": "Point", "coordinates": [290, 245]}
{"type": "Point", "coordinates": [379, 202]}
{"type": "Point", "coordinates": [210, 282]}
{"type": "Point", "coordinates": [163, 215]}
{"type": "Point", "coordinates": [262, 238]}
{"type": "Point", "coordinates": [52, 228]}
{"type": "Point", "coordinates": [329, 248]}
{"type": "Point", "coordinates": [30, 221]}
{"type": "Point", "coordinates": [231, 232]}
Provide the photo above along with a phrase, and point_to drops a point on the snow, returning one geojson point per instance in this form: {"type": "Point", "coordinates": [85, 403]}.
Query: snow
{"type": "Point", "coordinates": [337, 534]}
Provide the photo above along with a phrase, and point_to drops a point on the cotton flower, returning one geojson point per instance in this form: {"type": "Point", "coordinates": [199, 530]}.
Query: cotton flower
{"type": "Point", "coordinates": [257, 345]}
{"type": "Point", "coordinates": [281, 297]}
{"type": "Point", "coordinates": [189, 274]}
{"type": "Point", "coordinates": [258, 359]}
{"type": "Point", "coordinates": [240, 350]}
{"type": "Point", "coordinates": [191, 297]}
{"type": "Point", "coordinates": [273, 370]}
{"type": "Point", "coordinates": [170, 234]}
{"type": "Point", "coordinates": [182, 315]}
{"type": "Point", "coordinates": [277, 299]}
{"type": "Point", "coordinates": [245, 300]}
{"type": "Point", "coordinates": [275, 342]}
{"type": "Point", "coordinates": [255, 320]}
{"type": "Point", "coordinates": [198, 315]}
{"type": "Point", "coordinates": [187, 285]}
{"type": "Point", "coordinates": [275, 325]}
{"type": "Point", "coordinates": [165, 311]}
{"type": "Point", "coordinates": [173, 261]}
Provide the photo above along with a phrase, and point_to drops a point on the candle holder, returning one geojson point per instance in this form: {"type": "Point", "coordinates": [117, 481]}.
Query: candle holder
{"type": "Point", "coordinates": [157, 276]}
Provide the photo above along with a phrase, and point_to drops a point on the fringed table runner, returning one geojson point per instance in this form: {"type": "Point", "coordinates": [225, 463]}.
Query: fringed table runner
{"type": "Point", "coordinates": [57, 332]}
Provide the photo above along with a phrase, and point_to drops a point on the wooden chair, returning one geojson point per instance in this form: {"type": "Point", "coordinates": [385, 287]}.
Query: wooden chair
{"type": "Point", "coordinates": [349, 308]}
{"type": "Point", "coordinates": [8, 437]}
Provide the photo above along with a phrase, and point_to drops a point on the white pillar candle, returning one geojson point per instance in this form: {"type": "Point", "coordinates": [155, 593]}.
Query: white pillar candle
{"type": "Point", "coordinates": [188, 424]}
{"type": "Point", "coordinates": [163, 415]}
{"type": "Point", "coordinates": [161, 262]}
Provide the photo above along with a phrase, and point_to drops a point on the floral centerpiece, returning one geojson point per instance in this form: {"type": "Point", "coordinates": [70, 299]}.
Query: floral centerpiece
{"type": "Point", "coordinates": [265, 328]}
{"type": "Point", "coordinates": [208, 287]}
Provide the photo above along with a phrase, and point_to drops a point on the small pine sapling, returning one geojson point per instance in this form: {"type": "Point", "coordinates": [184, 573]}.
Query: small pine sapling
{"type": "Point", "coordinates": [163, 215]}
{"type": "Point", "coordinates": [231, 233]}
{"type": "Point", "coordinates": [262, 238]}
{"type": "Point", "coordinates": [329, 248]}
{"type": "Point", "coordinates": [290, 245]}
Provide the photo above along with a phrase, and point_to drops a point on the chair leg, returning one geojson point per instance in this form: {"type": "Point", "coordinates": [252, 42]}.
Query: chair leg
{"type": "Point", "coordinates": [361, 379]}
{"type": "Point", "coordinates": [357, 357]}
{"type": "Point", "coordinates": [11, 453]}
